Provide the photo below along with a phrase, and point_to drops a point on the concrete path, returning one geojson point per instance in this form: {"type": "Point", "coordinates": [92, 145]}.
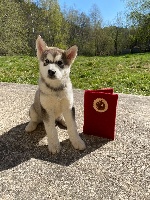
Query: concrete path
{"type": "Point", "coordinates": [106, 170]}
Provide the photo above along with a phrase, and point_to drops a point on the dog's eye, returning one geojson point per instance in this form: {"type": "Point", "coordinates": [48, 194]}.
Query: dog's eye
{"type": "Point", "coordinates": [60, 64]}
{"type": "Point", "coordinates": [46, 62]}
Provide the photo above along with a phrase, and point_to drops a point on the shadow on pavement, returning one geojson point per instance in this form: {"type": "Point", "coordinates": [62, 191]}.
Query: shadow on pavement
{"type": "Point", "coordinates": [17, 146]}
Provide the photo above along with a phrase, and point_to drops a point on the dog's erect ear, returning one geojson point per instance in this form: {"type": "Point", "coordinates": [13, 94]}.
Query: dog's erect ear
{"type": "Point", "coordinates": [40, 46]}
{"type": "Point", "coordinates": [71, 53]}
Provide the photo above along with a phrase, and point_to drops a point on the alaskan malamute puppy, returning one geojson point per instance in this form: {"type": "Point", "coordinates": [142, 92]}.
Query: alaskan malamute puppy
{"type": "Point", "coordinates": [54, 97]}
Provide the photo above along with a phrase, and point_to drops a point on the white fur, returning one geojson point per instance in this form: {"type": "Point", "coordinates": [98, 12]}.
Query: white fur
{"type": "Point", "coordinates": [57, 103]}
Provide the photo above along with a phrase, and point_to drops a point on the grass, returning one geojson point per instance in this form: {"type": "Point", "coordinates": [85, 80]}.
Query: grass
{"type": "Point", "coordinates": [126, 74]}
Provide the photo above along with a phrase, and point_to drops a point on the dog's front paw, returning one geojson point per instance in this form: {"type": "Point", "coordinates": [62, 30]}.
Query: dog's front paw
{"type": "Point", "coordinates": [54, 148]}
{"type": "Point", "coordinates": [78, 143]}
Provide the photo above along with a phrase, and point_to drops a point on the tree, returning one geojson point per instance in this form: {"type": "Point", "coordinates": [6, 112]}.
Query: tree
{"type": "Point", "coordinates": [54, 28]}
{"type": "Point", "coordinates": [33, 20]}
{"type": "Point", "coordinates": [85, 34]}
{"type": "Point", "coordinates": [118, 33]}
{"type": "Point", "coordinates": [79, 31]}
{"type": "Point", "coordinates": [96, 21]}
{"type": "Point", "coordinates": [13, 38]}
{"type": "Point", "coordinates": [139, 17]}
{"type": "Point", "coordinates": [107, 44]}
{"type": "Point", "coordinates": [72, 20]}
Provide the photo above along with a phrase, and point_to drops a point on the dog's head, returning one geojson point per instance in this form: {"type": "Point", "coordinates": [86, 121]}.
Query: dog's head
{"type": "Point", "coordinates": [55, 63]}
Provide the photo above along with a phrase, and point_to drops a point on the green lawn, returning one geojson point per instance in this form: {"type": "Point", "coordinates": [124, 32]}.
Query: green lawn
{"type": "Point", "coordinates": [126, 74]}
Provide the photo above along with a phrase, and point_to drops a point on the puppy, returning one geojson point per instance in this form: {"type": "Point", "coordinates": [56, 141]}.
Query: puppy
{"type": "Point", "coordinates": [54, 97]}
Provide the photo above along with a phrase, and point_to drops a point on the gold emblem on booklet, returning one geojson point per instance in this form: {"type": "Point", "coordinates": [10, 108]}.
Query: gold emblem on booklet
{"type": "Point", "coordinates": [100, 105]}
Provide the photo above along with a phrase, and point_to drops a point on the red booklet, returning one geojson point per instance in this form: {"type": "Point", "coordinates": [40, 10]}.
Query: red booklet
{"type": "Point", "coordinates": [100, 112]}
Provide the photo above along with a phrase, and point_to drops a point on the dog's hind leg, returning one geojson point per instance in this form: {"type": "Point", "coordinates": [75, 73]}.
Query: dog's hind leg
{"type": "Point", "coordinates": [61, 122]}
{"type": "Point", "coordinates": [35, 120]}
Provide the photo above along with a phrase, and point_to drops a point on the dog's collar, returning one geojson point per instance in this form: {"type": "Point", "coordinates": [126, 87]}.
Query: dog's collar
{"type": "Point", "coordinates": [55, 89]}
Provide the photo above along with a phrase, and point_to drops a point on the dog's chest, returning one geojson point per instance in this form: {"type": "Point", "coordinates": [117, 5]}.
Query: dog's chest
{"type": "Point", "coordinates": [52, 103]}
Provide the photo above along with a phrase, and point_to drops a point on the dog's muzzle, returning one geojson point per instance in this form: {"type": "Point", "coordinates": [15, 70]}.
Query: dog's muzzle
{"type": "Point", "coordinates": [51, 73]}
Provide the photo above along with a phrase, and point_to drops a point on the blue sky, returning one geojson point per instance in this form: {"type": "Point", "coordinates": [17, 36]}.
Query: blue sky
{"type": "Point", "coordinates": [108, 8]}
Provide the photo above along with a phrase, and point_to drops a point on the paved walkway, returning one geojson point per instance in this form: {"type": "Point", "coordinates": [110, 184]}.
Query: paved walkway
{"type": "Point", "coordinates": [115, 170]}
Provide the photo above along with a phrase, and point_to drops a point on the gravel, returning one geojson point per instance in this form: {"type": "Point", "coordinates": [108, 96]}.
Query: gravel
{"type": "Point", "coordinates": [106, 170]}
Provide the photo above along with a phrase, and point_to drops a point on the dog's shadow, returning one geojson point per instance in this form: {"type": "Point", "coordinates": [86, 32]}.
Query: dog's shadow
{"type": "Point", "coordinates": [17, 146]}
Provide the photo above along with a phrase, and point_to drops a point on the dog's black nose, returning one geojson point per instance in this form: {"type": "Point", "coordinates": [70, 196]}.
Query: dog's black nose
{"type": "Point", "coordinates": [51, 72]}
